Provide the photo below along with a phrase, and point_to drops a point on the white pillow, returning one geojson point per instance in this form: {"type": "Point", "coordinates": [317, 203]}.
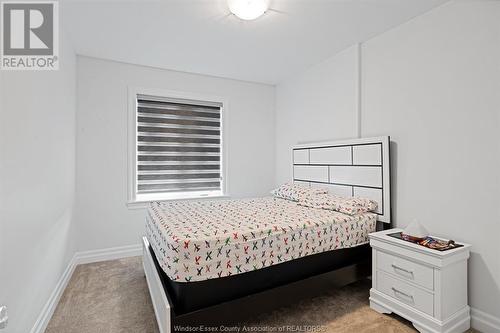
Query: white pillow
{"type": "Point", "coordinates": [349, 206]}
{"type": "Point", "coordinates": [295, 192]}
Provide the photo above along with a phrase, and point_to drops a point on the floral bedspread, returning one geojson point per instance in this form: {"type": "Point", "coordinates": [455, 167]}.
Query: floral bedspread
{"type": "Point", "coordinates": [199, 240]}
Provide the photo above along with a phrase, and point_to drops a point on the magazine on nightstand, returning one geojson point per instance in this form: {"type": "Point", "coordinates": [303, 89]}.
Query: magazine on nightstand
{"type": "Point", "coordinates": [429, 242]}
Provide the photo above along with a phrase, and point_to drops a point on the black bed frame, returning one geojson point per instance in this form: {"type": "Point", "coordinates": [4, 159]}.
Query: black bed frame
{"type": "Point", "coordinates": [235, 300]}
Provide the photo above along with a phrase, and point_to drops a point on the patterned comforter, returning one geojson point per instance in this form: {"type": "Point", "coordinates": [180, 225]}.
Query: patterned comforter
{"type": "Point", "coordinates": [199, 240]}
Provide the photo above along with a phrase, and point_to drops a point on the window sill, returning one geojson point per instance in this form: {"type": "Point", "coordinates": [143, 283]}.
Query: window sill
{"type": "Point", "coordinates": [142, 204]}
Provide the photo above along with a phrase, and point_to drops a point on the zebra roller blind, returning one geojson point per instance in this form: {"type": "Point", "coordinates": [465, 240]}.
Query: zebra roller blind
{"type": "Point", "coordinates": [178, 145]}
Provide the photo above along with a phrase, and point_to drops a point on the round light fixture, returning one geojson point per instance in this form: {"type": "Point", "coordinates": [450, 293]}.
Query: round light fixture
{"type": "Point", "coordinates": [248, 9]}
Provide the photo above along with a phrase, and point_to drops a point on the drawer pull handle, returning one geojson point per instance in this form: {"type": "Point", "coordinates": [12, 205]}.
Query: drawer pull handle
{"type": "Point", "coordinates": [397, 291]}
{"type": "Point", "coordinates": [402, 269]}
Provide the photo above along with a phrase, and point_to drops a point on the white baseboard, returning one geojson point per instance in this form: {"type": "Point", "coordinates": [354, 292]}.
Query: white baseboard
{"type": "Point", "coordinates": [49, 307]}
{"type": "Point", "coordinates": [86, 257]}
{"type": "Point", "coordinates": [79, 258]}
{"type": "Point", "coordinates": [484, 322]}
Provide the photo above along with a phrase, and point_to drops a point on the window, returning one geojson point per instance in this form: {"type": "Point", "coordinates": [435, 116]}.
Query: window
{"type": "Point", "coordinates": [177, 147]}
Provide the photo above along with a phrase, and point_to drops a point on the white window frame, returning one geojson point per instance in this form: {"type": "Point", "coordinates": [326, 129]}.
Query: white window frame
{"type": "Point", "coordinates": [136, 200]}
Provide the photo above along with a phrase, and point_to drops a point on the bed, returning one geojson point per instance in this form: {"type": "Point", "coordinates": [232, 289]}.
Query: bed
{"type": "Point", "coordinates": [223, 262]}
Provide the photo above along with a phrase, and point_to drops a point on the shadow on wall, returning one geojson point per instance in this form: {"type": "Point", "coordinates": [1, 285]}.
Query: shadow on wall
{"type": "Point", "coordinates": [393, 146]}
{"type": "Point", "coordinates": [491, 292]}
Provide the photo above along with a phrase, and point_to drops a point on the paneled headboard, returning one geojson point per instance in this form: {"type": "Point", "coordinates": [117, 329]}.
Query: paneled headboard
{"type": "Point", "coordinates": [357, 167]}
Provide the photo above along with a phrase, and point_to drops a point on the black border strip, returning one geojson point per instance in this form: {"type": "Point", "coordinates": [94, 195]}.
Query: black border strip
{"type": "Point", "coordinates": [341, 184]}
{"type": "Point", "coordinates": [353, 165]}
{"type": "Point", "coordinates": [343, 145]}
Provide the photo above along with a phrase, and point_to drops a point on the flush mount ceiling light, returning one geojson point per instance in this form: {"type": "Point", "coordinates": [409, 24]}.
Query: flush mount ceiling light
{"type": "Point", "coordinates": [248, 9]}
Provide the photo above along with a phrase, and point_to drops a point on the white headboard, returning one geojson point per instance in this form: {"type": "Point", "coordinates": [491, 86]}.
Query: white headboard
{"type": "Point", "coordinates": [357, 167]}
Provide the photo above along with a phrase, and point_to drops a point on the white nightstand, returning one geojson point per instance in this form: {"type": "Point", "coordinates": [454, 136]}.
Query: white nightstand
{"type": "Point", "coordinates": [425, 286]}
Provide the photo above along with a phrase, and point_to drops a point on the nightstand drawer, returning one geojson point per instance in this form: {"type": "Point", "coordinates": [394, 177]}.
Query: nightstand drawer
{"type": "Point", "coordinates": [406, 293]}
{"type": "Point", "coordinates": [406, 269]}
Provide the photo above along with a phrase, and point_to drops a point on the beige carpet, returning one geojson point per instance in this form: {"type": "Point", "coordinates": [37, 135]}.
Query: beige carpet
{"type": "Point", "coordinates": [113, 296]}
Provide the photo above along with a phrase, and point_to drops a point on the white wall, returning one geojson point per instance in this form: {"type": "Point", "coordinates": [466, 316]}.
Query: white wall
{"type": "Point", "coordinates": [433, 85]}
{"type": "Point", "coordinates": [37, 186]}
{"type": "Point", "coordinates": [103, 218]}
{"type": "Point", "coordinates": [318, 105]}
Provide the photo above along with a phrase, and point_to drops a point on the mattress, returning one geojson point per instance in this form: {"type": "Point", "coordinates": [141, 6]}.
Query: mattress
{"type": "Point", "coordinates": [200, 240]}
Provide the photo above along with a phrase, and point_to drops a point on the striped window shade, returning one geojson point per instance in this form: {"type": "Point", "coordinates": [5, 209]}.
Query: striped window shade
{"type": "Point", "coordinates": [178, 146]}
